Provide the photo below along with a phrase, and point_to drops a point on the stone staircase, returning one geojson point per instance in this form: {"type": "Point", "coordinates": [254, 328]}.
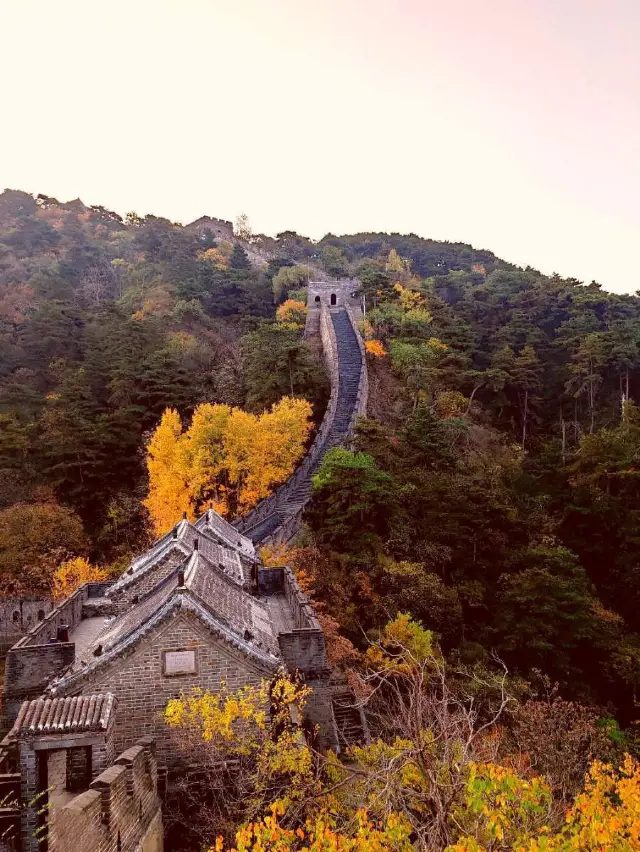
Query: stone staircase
{"type": "Point", "coordinates": [350, 363]}
{"type": "Point", "coordinates": [350, 723]}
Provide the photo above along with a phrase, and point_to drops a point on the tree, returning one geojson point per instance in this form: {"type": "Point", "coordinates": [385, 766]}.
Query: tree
{"type": "Point", "coordinates": [227, 457]}
{"type": "Point", "coordinates": [549, 616]}
{"type": "Point", "coordinates": [277, 363]}
{"type": "Point", "coordinates": [292, 312]}
{"type": "Point", "coordinates": [168, 496]}
{"type": "Point", "coordinates": [261, 452]}
{"type": "Point", "coordinates": [33, 539]}
{"type": "Point", "coordinates": [239, 258]}
{"type": "Point", "coordinates": [350, 508]}
{"type": "Point", "coordinates": [289, 278]}
{"type": "Point", "coordinates": [334, 261]}
{"type": "Point", "coordinates": [242, 228]}
{"type": "Point", "coordinates": [72, 574]}
{"type": "Point", "coordinates": [375, 348]}
{"type": "Point", "coordinates": [250, 729]}
{"type": "Point", "coordinates": [527, 372]}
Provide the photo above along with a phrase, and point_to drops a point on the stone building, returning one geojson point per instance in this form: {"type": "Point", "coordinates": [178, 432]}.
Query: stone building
{"type": "Point", "coordinates": [198, 608]}
{"type": "Point", "coordinates": [219, 228]}
{"type": "Point", "coordinates": [77, 794]}
{"type": "Point", "coordinates": [338, 293]}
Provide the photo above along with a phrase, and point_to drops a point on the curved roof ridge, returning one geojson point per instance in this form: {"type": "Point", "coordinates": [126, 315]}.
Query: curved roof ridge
{"type": "Point", "coordinates": [183, 598]}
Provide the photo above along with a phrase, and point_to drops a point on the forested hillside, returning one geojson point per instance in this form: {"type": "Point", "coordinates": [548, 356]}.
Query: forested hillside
{"type": "Point", "coordinates": [492, 500]}
{"type": "Point", "coordinates": [105, 324]}
{"type": "Point", "coordinates": [495, 494]}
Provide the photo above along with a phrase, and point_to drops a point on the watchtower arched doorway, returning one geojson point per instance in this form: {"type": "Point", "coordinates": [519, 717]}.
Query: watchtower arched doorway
{"type": "Point", "coordinates": [317, 300]}
{"type": "Point", "coordinates": [333, 299]}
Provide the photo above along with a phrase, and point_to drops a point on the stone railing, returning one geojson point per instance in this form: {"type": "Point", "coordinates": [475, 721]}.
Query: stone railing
{"type": "Point", "coordinates": [271, 504]}
{"type": "Point", "coordinates": [68, 614]}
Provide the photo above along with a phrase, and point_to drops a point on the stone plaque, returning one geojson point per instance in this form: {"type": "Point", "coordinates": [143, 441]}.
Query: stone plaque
{"type": "Point", "coordinates": [179, 662]}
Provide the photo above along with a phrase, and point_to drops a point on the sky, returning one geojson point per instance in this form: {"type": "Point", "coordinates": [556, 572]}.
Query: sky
{"type": "Point", "coordinates": [513, 125]}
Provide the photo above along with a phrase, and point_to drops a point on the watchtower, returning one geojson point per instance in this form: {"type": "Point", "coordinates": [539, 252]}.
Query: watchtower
{"type": "Point", "coordinates": [339, 293]}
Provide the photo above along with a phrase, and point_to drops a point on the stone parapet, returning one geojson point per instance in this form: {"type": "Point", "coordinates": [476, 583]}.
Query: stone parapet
{"type": "Point", "coordinates": [67, 614]}
{"type": "Point", "coordinates": [120, 812]}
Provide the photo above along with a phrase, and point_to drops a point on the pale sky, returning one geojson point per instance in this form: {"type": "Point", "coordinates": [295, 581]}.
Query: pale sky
{"type": "Point", "coordinates": [513, 125]}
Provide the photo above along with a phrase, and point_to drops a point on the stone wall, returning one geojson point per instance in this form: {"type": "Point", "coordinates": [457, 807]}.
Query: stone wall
{"type": "Point", "coordinates": [18, 616]}
{"type": "Point", "coordinates": [320, 293]}
{"type": "Point", "coordinates": [120, 812]}
{"type": "Point", "coordinates": [303, 650]}
{"type": "Point", "coordinates": [67, 614]}
{"type": "Point", "coordinates": [138, 681]}
{"type": "Point", "coordinates": [220, 228]}
{"type": "Point", "coordinates": [28, 672]}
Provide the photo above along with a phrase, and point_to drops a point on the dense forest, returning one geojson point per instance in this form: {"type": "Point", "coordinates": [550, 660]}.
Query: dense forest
{"type": "Point", "coordinates": [104, 324]}
{"type": "Point", "coordinates": [493, 493]}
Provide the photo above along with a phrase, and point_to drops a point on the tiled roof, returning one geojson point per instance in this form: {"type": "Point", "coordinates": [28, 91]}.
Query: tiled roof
{"type": "Point", "coordinates": [240, 610]}
{"type": "Point", "coordinates": [223, 597]}
{"type": "Point", "coordinates": [227, 534]}
{"type": "Point", "coordinates": [137, 615]}
{"type": "Point", "coordinates": [180, 542]}
{"type": "Point", "coordinates": [80, 714]}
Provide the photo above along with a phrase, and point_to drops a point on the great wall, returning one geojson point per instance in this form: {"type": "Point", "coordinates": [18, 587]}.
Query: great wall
{"type": "Point", "coordinates": [89, 678]}
{"type": "Point", "coordinates": [333, 311]}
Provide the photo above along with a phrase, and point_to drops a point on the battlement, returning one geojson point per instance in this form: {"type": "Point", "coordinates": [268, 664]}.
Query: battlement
{"type": "Point", "coordinates": [68, 614]}
{"type": "Point", "coordinates": [41, 654]}
{"type": "Point", "coordinates": [119, 812]}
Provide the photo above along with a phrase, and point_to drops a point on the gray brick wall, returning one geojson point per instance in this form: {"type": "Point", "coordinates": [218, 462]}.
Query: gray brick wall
{"type": "Point", "coordinates": [28, 672]}
{"type": "Point", "coordinates": [119, 813]}
{"type": "Point", "coordinates": [143, 690]}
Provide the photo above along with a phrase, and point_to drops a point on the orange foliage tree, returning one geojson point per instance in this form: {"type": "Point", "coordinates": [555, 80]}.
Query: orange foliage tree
{"type": "Point", "coordinates": [227, 457]}
{"type": "Point", "coordinates": [375, 348]}
{"type": "Point", "coordinates": [34, 539]}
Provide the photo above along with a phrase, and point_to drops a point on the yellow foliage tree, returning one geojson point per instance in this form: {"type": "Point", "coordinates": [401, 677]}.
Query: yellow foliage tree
{"type": "Point", "coordinates": [74, 573]}
{"type": "Point", "coordinates": [169, 494]}
{"type": "Point", "coordinates": [505, 808]}
{"type": "Point", "coordinates": [262, 451]}
{"type": "Point", "coordinates": [254, 730]}
{"type": "Point", "coordinates": [321, 834]}
{"type": "Point", "coordinates": [274, 555]}
{"type": "Point", "coordinates": [428, 789]}
{"type": "Point", "coordinates": [227, 457]}
{"type": "Point", "coordinates": [204, 457]}
{"type": "Point", "coordinates": [395, 264]}
{"type": "Point", "coordinates": [216, 257]}
{"type": "Point", "coordinates": [292, 312]}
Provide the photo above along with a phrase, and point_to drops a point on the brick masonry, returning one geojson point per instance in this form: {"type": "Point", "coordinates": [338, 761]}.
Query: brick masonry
{"type": "Point", "coordinates": [28, 672]}
{"type": "Point", "coordinates": [120, 812]}
{"type": "Point", "coordinates": [18, 616]}
{"type": "Point", "coordinates": [142, 688]}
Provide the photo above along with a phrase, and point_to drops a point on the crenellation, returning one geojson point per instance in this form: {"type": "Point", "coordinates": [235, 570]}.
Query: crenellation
{"type": "Point", "coordinates": [118, 811]}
